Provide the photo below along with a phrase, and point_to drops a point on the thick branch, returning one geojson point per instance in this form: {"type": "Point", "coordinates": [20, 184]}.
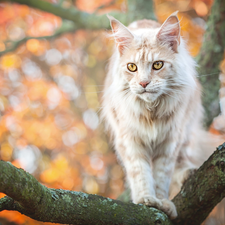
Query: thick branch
{"type": "Point", "coordinates": [202, 191]}
{"type": "Point", "coordinates": [195, 201]}
{"type": "Point", "coordinates": [33, 199]}
{"type": "Point", "coordinates": [210, 57]}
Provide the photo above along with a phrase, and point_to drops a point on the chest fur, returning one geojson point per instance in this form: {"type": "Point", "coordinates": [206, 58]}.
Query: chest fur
{"type": "Point", "coordinates": [129, 123]}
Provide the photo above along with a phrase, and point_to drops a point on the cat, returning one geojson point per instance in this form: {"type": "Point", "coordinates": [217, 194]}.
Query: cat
{"type": "Point", "coordinates": [152, 105]}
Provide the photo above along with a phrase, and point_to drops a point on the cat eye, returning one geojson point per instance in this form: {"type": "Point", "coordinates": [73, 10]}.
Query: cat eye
{"type": "Point", "coordinates": [157, 65]}
{"type": "Point", "coordinates": [132, 67]}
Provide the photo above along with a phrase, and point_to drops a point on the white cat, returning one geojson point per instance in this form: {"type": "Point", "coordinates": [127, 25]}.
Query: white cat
{"type": "Point", "coordinates": [152, 105]}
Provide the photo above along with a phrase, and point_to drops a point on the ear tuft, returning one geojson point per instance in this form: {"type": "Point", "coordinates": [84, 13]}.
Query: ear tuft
{"type": "Point", "coordinates": [169, 32]}
{"type": "Point", "coordinates": [123, 37]}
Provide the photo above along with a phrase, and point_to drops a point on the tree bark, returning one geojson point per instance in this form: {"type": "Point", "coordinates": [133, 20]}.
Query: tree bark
{"type": "Point", "coordinates": [202, 191]}
{"type": "Point", "coordinates": [194, 202]}
{"type": "Point", "coordinates": [27, 196]}
{"type": "Point", "coordinates": [31, 198]}
{"type": "Point", "coordinates": [209, 59]}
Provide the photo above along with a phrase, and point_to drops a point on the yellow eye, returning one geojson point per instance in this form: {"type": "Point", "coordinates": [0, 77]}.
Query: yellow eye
{"type": "Point", "coordinates": [132, 67]}
{"type": "Point", "coordinates": [157, 65]}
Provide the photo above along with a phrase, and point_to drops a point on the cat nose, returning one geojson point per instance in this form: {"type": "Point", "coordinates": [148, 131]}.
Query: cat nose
{"type": "Point", "coordinates": [144, 83]}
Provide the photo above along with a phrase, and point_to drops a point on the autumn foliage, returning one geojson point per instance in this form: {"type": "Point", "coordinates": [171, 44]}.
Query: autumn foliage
{"type": "Point", "coordinates": [50, 95]}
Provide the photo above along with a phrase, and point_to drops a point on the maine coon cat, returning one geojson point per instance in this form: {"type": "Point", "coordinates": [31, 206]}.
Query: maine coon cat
{"type": "Point", "coordinates": [152, 105]}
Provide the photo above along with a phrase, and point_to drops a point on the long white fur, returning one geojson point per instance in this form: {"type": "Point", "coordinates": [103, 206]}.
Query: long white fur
{"type": "Point", "coordinates": [151, 130]}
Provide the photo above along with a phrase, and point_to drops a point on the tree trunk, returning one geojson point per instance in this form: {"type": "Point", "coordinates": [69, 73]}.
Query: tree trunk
{"type": "Point", "coordinates": [209, 59]}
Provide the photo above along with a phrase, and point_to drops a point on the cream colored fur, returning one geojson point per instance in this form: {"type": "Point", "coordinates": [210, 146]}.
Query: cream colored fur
{"type": "Point", "coordinates": [157, 129]}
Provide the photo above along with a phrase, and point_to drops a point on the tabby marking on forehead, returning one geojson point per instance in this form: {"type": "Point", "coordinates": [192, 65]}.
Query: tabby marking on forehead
{"type": "Point", "coordinates": [143, 53]}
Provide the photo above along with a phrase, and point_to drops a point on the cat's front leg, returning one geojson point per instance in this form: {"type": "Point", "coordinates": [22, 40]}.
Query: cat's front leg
{"type": "Point", "coordinates": [139, 173]}
{"type": "Point", "coordinates": [163, 166]}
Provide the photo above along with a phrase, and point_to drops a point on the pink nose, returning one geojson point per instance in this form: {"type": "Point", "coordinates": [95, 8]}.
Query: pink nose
{"type": "Point", "coordinates": [144, 83]}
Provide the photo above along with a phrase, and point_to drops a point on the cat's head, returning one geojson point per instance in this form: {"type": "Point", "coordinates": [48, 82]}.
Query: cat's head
{"type": "Point", "coordinates": [150, 57]}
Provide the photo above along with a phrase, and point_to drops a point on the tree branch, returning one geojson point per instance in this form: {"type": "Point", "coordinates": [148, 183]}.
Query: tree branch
{"type": "Point", "coordinates": [28, 196]}
{"type": "Point", "coordinates": [202, 191]}
{"type": "Point", "coordinates": [209, 58]}
{"type": "Point", "coordinates": [65, 28]}
{"type": "Point", "coordinates": [83, 20]}
{"type": "Point", "coordinates": [103, 6]}
{"type": "Point", "coordinates": [33, 199]}
{"type": "Point", "coordinates": [80, 19]}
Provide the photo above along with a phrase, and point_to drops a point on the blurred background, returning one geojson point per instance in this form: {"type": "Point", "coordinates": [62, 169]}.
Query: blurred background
{"type": "Point", "coordinates": [50, 95]}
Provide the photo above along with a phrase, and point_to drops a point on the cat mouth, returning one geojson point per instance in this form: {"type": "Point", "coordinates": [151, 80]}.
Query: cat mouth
{"type": "Point", "coordinates": [153, 91]}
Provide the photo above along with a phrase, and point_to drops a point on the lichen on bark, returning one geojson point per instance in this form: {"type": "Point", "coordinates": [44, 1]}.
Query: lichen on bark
{"type": "Point", "coordinates": [194, 202]}
{"type": "Point", "coordinates": [26, 195]}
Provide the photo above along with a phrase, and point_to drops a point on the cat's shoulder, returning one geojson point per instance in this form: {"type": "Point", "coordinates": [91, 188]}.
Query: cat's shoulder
{"type": "Point", "coordinates": [140, 24]}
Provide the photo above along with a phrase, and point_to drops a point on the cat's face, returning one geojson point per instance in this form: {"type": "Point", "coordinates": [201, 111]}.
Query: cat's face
{"type": "Point", "coordinates": [148, 71]}
{"type": "Point", "coordinates": [147, 57]}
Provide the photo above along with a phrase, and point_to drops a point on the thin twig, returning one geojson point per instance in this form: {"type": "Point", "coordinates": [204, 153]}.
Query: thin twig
{"type": "Point", "coordinates": [65, 28]}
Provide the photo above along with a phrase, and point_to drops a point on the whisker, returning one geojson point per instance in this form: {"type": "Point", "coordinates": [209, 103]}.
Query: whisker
{"type": "Point", "coordinates": [210, 74]}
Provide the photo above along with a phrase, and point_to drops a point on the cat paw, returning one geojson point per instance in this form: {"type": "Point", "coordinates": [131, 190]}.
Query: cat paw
{"type": "Point", "coordinates": [164, 205]}
{"type": "Point", "coordinates": [169, 208]}
{"type": "Point", "coordinates": [150, 201]}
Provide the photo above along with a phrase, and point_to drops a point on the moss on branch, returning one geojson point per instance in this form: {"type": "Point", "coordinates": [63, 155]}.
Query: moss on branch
{"type": "Point", "coordinates": [202, 191]}
{"type": "Point", "coordinates": [28, 196]}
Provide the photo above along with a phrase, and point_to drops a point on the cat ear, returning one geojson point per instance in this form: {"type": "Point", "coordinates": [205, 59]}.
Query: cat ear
{"type": "Point", "coordinates": [122, 35]}
{"type": "Point", "coordinates": [170, 32]}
